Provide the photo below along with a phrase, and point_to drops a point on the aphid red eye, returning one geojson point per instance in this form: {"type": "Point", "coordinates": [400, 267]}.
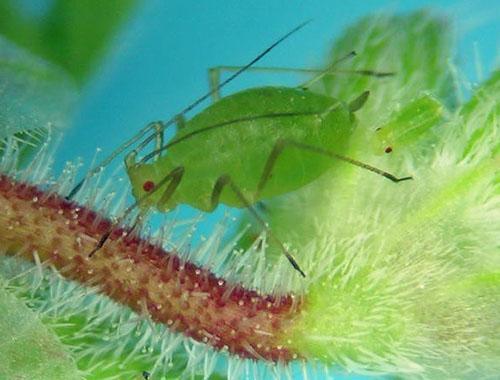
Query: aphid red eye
{"type": "Point", "coordinates": [148, 186]}
{"type": "Point", "coordinates": [388, 149]}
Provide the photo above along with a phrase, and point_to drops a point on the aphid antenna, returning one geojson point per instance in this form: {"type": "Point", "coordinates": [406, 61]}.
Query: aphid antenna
{"type": "Point", "coordinates": [172, 120]}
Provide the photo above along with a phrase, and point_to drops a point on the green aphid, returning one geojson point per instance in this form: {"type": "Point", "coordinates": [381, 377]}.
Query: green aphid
{"type": "Point", "coordinates": [245, 147]}
{"type": "Point", "coordinates": [407, 125]}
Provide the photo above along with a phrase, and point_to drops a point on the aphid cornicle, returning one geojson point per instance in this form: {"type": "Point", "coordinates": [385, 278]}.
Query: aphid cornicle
{"type": "Point", "coordinates": [245, 147]}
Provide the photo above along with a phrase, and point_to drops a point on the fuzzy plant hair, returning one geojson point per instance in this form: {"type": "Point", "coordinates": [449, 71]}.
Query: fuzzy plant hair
{"type": "Point", "coordinates": [403, 279]}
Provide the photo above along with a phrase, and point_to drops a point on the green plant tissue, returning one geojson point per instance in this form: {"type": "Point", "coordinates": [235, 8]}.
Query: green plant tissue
{"type": "Point", "coordinates": [28, 349]}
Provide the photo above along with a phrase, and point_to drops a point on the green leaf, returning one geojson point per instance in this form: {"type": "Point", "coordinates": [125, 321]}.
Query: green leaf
{"type": "Point", "coordinates": [35, 96]}
{"type": "Point", "coordinates": [35, 93]}
{"type": "Point", "coordinates": [479, 120]}
{"type": "Point", "coordinates": [28, 350]}
{"type": "Point", "coordinates": [73, 34]}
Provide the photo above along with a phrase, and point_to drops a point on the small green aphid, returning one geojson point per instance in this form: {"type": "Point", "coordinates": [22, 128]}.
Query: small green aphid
{"type": "Point", "coordinates": [406, 125]}
{"type": "Point", "coordinates": [246, 147]}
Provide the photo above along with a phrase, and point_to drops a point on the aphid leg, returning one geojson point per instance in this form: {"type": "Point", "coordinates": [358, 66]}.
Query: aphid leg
{"type": "Point", "coordinates": [180, 122]}
{"type": "Point", "coordinates": [174, 178]}
{"type": "Point", "coordinates": [116, 153]}
{"type": "Point", "coordinates": [138, 221]}
{"type": "Point", "coordinates": [359, 102]}
{"type": "Point", "coordinates": [281, 144]}
{"type": "Point", "coordinates": [214, 81]}
{"type": "Point", "coordinates": [332, 70]}
{"type": "Point", "coordinates": [130, 160]}
{"type": "Point", "coordinates": [221, 182]}
{"type": "Point", "coordinates": [219, 186]}
{"type": "Point", "coordinates": [268, 167]}
{"type": "Point", "coordinates": [329, 70]}
{"type": "Point", "coordinates": [158, 138]}
{"type": "Point", "coordinates": [214, 73]}
{"type": "Point", "coordinates": [158, 128]}
{"type": "Point", "coordinates": [160, 147]}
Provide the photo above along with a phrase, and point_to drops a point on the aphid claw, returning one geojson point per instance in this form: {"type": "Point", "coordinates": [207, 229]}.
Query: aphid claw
{"type": "Point", "coordinates": [99, 245]}
{"type": "Point", "coordinates": [295, 264]}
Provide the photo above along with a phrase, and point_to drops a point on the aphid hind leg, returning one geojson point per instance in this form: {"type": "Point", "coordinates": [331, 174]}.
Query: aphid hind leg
{"type": "Point", "coordinates": [214, 74]}
{"type": "Point", "coordinates": [225, 180]}
{"type": "Point", "coordinates": [282, 144]}
{"type": "Point", "coordinates": [173, 178]}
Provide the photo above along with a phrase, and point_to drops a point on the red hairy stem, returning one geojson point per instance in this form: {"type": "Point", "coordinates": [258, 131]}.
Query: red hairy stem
{"type": "Point", "coordinates": [143, 276]}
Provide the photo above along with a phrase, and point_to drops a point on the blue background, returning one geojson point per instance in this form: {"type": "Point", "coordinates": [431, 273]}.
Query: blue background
{"type": "Point", "coordinates": [158, 62]}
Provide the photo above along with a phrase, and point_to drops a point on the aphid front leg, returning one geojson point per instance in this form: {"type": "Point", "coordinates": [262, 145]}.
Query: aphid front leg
{"type": "Point", "coordinates": [225, 180]}
{"type": "Point", "coordinates": [173, 178]}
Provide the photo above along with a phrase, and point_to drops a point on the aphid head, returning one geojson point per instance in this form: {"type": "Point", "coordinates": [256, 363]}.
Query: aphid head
{"type": "Point", "coordinates": [144, 179]}
{"type": "Point", "coordinates": [384, 141]}
{"type": "Point", "coordinates": [407, 125]}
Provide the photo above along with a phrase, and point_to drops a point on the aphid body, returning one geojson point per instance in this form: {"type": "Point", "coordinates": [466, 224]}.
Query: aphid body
{"type": "Point", "coordinates": [407, 125]}
{"type": "Point", "coordinates": [252, 145]}
{"type": "Point", "coordinates": [261, 140]}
